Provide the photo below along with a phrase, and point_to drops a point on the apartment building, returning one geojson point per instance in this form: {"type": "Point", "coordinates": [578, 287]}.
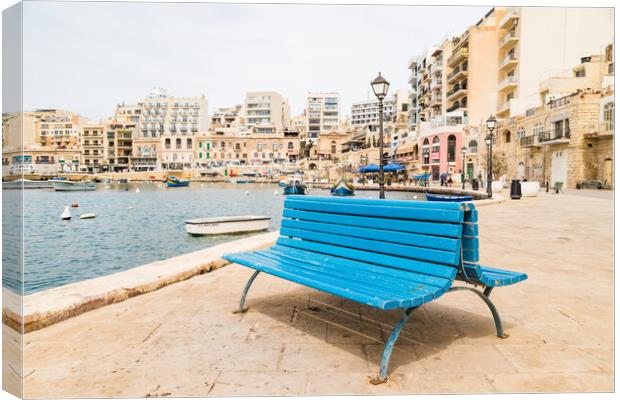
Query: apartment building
{"type": "Point", "coordinates": [119, 136]}
{"type": "Point", "coordinates": [323, 113]}
{"type": "Point", "coordinates": [537, 42]}
{"type": "Point", "coordinates": [128, 113]}
{"type": "Point", "coordinates": [94, 147]}
{"type": "Point", "coordinates": [44, 141]}
{"type": "Point", "coordinates": [266, 112]}
{"type": "Point", "coordinates": [569, 138]}
{"type": "Point", "coordinates": [167, 127]}
{"type": "Point", "coordinates": [252, 149]}
{"type": "Point", "coordinates": [366, 113]}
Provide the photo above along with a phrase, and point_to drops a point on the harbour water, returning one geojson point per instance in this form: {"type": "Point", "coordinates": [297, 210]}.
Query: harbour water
{"type": "Point", "coordinates": [131, 228]}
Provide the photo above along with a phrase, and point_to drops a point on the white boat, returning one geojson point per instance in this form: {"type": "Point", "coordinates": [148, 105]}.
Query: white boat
{"type": "Point", "coordinates": [87, 216]}
{"type": "Point", "coordinates": [68, 186]}
{"type": "Point", "coordinates": [224, 225]}
{"type": "Point", "coordinates": [26, 184]}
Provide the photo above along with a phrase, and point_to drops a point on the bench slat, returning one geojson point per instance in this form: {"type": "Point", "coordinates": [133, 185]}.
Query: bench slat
{"type": "Point", "coordinates": [400, 203]}
{"type": "Point", "coordinates": [418, 253]}
{"type": "Point", "coordinates": [419, 227]}
{"type": "Point", "coordinates": [425, 241]}
{"type": "Point", "coordinates": [347, 289]}
{"type": "Point", "coordinates": [389, 290]}
{"type": "Point", "coordinates": [429, 268]}
{"type": "Point", "coordinates": [384, 211]}
{"type": "Point", "coordinates": [347, 266]}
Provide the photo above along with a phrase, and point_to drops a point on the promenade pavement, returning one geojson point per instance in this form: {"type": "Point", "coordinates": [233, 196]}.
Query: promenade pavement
{"type": "Point", "coordinates": [183, 340]}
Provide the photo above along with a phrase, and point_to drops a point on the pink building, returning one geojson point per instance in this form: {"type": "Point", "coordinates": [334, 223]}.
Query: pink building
{"type": "Point", "coordinates": [441, 153]}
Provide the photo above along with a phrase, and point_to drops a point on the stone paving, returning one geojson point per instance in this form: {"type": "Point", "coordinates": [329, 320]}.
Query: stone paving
{"type": "Point", "coordinates": [183, 340]}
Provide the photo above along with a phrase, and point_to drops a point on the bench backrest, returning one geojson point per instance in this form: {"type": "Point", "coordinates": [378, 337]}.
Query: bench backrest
{"type": "Point", "coordinates": [423, 237]}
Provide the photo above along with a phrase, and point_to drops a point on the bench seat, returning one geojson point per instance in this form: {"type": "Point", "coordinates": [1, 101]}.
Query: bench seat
{"type": "Point", "coordinates": [491, 277]}
{"type": "Point", "coordinates": [365, 283]}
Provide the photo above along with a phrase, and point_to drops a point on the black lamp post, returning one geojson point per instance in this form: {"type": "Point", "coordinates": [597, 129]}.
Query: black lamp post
{"type": "Point", "coordinates": [463, 152]}
{"type": "Point", "coordinates": [491, 124]}
{"type": "Point", "coordinates": [380, 87]}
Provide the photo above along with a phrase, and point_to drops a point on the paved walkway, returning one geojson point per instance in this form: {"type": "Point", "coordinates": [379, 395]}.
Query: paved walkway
{"type": "Point", "coordinates": [183, 340]}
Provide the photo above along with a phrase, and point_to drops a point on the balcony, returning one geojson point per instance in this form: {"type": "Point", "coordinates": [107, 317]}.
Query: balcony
{"type": "Point", "coordinates": [509, 83]}
{"type": "Point", "coordinates": [530, 141]}
{"type": "Point", "coordinates": [504, 107]}
{"type": "Point", "coordinates": [435, 101]}
{"type": "Point", "coordinates": [458, 56]}
{"type": "Point", "coordinates": [457, 92]}
{"type": "Point", "coordinates": [555, 136]}
{"type": "Point", "coordinates": [435, 83]}
{"type": "Point", "coordinates": [509, 38]}
{"type": "Point", "coordinates": [413, 77]}
{"type": "Point", "coordinates": [413, 92]}
{"type": "Point", "coordinates": [412, 62]}
{"type": "Point", "coordinates": [508, 61]}
{"type": "Point", "coordinates": [457, 106]}
{"type": "Point", "coordinates": [457, 73]}
{"type": "Point", "coordinates": [509, 20]}
{"type": "Point", "coordinates": [606, 129]}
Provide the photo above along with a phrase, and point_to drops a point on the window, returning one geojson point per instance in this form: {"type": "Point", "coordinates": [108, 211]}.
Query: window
{"type": "Point", "coordinates": [608, 115]}
{"type": "Point", "coordinates": [189, 143]}
{"type": "Point", "coordinates": [290, 145]}
{"type": "Point", "coordinates": [561, 129]}
{"type": "Point", "coordinates": [507, 137]}
{"type": "Point", "coordinates": [520, 132]}
{"type": "Point", "coordinates": [333, 147]}
{"type": "Point", "coordinates": [167, 144]}
{"type": "Point", "coordinates": [581, 73]}
{"type": "Point", "coordinates": [451, 148]}
{"type": "Point", "coordinates": [473, 146]}
{"type": "Point", "coordinates": [178, 143]}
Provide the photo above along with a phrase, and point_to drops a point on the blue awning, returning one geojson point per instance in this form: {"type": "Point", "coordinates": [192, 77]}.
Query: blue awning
{"type": "Point", "coordinates": [369, 168]}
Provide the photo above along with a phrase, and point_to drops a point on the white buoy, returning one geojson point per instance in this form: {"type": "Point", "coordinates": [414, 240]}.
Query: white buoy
{"type": "Point", "coordinates": [247, 193]}
{"type": "Point", "coordinates": [137, 190]}
{"type": "Point", "coordinates": [107, 187]}
{"type": "Point", "coordinates": [87, 216]}
{"type": "Point", "coordinates": [130, 207]}
{"type": "Point", "coordinates": [275, 192]}
{"type": "Point", "coordinates": [66, 214]}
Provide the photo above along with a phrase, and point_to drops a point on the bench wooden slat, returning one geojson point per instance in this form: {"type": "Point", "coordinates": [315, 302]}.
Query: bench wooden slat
{"type": "Point", "coordinates": [384, 211]}
{"type": "Point", "coordinates": [399, 203]}
{"type": "Point", "coordinates": [394, 289]}
{"type": "Point", "coordinates": [419, 227]}
{"type": "Point", "coordinates": [346, 265]}
{"type": "Point", "coordinates": [429, 268]}
{"type": "Point", "coordinates": [418, 253]}
{"type": "Point", "coordinates": [347, 289]}
{"type": "Point", "coordinates": [425, 241]}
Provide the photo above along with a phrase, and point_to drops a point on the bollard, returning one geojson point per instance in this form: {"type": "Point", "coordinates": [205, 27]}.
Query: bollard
{"type": "Point", "coordinates": [515, 189]}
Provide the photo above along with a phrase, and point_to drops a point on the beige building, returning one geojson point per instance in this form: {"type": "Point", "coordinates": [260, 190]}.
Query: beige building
{"type": "Point", "coordinates": [323, 113]}
{"type": "Point", "coordinates": [128, 113]}
{"type": "Point", "coordinates": [45, 141]}
{"type": "Point", "coordinates": [538, 42]}
{"type": "Point", "coordinates": [94, 147]}
{"type": "Point", "coordinates": [266, 112]}
{"type": "Point", "coordinates": [366, 113]}
{"type": "Point", "coordinates": [167, 128]}
{"type": "Point", "coordinates": [119, 136]}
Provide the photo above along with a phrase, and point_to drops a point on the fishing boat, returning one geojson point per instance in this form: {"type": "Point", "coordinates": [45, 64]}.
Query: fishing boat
{"type": "Point", "coordinates": [343, 188]}
{"type": "Point", "coordinates": [69, 186]}
{"type": "Point", "coordinates": [173, 181]}
{"type": "Point", "coordinates": [26, 184]}
{"type": "Point", "coordinates": [240, 181]}
{"type": "Point", "coordinates": [227, 225]}
{"type": "Point", "coordinates": [442, 197]}
{"type": "Point", "coordinates": [295, 187]}
{"type": "Point", "coordinates": [282, 183]}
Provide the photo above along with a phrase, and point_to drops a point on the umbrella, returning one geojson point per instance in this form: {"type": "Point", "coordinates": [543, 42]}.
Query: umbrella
{"type": "Point", "coordinates": [369, 168]}
{"type": "Point", "coordinates": [391, 167]}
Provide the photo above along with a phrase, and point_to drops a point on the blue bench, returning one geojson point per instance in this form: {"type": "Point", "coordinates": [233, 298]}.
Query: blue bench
{"type": "Point", "coordinates": [386, 254]}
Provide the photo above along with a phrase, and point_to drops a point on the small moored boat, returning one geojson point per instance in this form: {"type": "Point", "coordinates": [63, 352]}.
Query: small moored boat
{"type": "Point", "coordinates": [442, 197]}
{"type": "Point", "coordinates": [295, 187]}
{"type": "Point", "coordinates": [227, 225]}
{"type": "Point", "coordinates": [173, 181]}
{"type": "Point", "coordinates": [26, 184]}
{"type": "Point", "coordinates": [343, 188]}
{"type": "Point", "coordinates": [87, 216]}
{"type": "Point", "coordinates": [69, 186]}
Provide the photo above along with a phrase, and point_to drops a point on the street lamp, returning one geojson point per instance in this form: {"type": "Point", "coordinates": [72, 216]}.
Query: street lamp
{"type": "Point", "coordinates": [463, 152]}
{"type": "Point", "coordinates": [491, 125]}
{"type": "Point", "coordinates": [380, 87]}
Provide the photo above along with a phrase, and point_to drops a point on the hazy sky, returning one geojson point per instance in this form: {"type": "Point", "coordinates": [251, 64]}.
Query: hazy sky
{"type": "Point", "coordinates": [87, 57]}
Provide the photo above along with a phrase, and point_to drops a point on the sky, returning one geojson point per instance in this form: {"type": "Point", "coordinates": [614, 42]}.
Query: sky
{"type": "Point", "coordinates": [88, 57]}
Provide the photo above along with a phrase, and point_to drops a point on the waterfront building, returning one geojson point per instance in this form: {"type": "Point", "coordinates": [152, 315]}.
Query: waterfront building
{"type": "Point", "coordinates": [323, 113]}
{"type": "Point", "coordinates": [249, 149]}
{"type": "Point", "coordinates": [536, 42]}
{"type": "Point", "coordinates": [329, 146]}
{"type": "Point", "coordinates": [569, 138]}
{"type": "Point", "coordinates": [119, 137]}
{"type": "Point", "coordinates": [44, 141]}
{"type": "Point", "coordinates": [94, 147]}
{"type": "Point", "coordinates": [439, 145]}
{"type": "Point", "coordinates": [167, 127]}
{"type": "Point", "coordinates": [266, 112]}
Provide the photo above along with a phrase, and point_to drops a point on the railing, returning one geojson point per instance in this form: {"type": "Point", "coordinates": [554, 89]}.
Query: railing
{"type": "Point", "coordinates": [457, 70]}
{"type": "Point", "coordinates": [510, 57]}
{"type": "Point", "coordinates": [460, 53]}
{"type": "Point", "coordinates": [507, 81]}
{"type": "Point", "coordinates": [456, 89]}
{"type": "Point", "coordinates": [528, 141]}
{"type": "Point", "coordinates": [554, 134]}
{"type": "Point", "coordinates": [562, 101]}
{"type": "Point", "coordinates": [504, 106]}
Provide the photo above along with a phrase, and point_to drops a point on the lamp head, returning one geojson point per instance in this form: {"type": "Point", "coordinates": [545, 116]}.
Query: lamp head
{"type": "Point", "coordinates": [380, 87]}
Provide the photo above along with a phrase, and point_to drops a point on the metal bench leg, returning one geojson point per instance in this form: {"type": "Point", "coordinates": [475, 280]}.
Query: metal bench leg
{"type": "Point", "coordinates": [389, 346]}
{"type": "Point", "coordinates": [241, 309]}
{"type": "Point", "coordinates": [489, 303]}
{"type": "Point", "coordinates": [488, 290]}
